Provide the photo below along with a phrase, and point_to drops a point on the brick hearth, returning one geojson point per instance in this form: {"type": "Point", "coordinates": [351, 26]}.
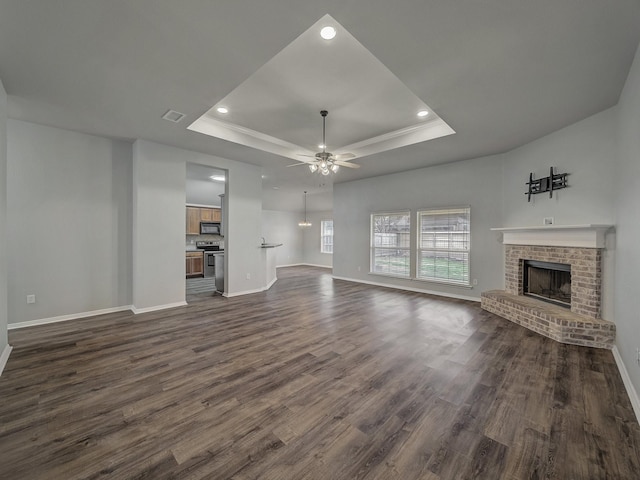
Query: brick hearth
{"type": "Point", "coordinates": [552, 321]}
{"type": "Point", "coordinates": [582, 324]}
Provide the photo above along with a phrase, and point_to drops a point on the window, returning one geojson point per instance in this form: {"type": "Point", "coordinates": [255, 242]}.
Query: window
{"type": "Point", "coordinates": [443, 245]}
{"type": "Point", "coordinates": [390, 239]}
{"type": "Point", "coordinates": [326, 236]}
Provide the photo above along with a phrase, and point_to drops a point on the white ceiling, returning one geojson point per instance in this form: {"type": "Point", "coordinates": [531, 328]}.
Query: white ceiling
{"type": "Point", "coordinates": [277, 109]}
{"type": "Point", "coordinates": [500, 72]}
{"type": "Point", "coordinates": [200, 188]}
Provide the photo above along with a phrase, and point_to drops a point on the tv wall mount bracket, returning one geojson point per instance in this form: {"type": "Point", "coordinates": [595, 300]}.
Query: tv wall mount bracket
{"type": "Point", "coordinates": [555, 181]}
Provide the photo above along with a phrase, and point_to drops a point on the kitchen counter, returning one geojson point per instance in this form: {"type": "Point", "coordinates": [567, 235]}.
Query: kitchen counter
{"type": "Point", "coordinates": [270, 256]}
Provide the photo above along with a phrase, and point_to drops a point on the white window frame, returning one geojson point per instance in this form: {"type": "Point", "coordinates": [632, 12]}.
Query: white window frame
{"type": "Point", "coordinates": [374, 249]}
{"type": "Point", "coordinates": [453, 243]}
{"type": "Point", "coordinates": [323, 245]}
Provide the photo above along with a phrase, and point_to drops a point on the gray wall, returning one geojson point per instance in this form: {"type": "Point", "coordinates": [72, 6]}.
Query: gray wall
{"type": "Point", "coordinates": [282, 227]}
{"type": "Point", "coordinates": [494, 188]}
{"type": "Point", "coordinates": [602, 156]}
{"type": "Point", "coordinates": [163, 195]}
{"type": "Point", "coordinates": [627, 189]}
{"type": "Point", "coordinates": [300, 245]}
{"type": "Point", "coordinates": [70, 205]}
{"type": "Point", "coordinates": [476, 183]}
{"type": "Point", "coordinates": [69, 222]}
{"type": "Point", "coordinates": [158, 227]}
{"type": "Point", "coordinates": [311, 235]}
{"type": "Point", "coordinates": [587, 151]}
{"type": "Point", "coordinates": [3, 219]}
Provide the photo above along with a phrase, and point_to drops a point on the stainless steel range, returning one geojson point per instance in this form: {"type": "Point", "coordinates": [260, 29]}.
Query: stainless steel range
{"type": "Point", "coordinates": [213, 262]}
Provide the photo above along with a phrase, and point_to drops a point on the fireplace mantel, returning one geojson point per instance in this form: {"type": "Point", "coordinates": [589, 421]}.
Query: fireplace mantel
{"type": "Point", "coordinates": [579, 236]}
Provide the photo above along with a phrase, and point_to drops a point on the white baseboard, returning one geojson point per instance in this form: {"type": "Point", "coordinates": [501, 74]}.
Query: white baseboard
{"type": "Point", "coordinates": [409, 289]}
{"type": "Point", "coordinates": [249, 292]}
{"type": "Point", "coordinates": [631, 391]}
{"type": "Point", "coordinates": [244, 292]}
{"type": "Point", "coordinates": [304, 265]}
{"type": "Point", "coordinates": [157, 307]}
{"type": "Point", "coordinates": [4, 357]}
{"type": "Point", "coordinates": [64, 318]}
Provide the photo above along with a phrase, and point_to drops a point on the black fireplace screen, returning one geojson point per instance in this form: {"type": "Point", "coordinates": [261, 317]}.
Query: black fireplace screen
{"type": "Point", "coordinates": [547, 281]}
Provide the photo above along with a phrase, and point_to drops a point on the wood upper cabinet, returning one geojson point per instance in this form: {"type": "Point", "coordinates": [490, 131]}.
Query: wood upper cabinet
{"type": "Point", "coordinates": [206, 214]}
{"type": "Point", "coordinates": [195, 264]}
{"type": "Point", "coordinates": [195, 215]}
{"type": "Point", "coordinates": [193, 221]}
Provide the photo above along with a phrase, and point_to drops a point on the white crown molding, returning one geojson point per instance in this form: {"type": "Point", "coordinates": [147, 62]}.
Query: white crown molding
{"type": "Point", "coordinates": [248, 137]}
{"type": "Point", "coordinates": [418, 133]}
{"type": "Point", "coordinates": [399, 138]}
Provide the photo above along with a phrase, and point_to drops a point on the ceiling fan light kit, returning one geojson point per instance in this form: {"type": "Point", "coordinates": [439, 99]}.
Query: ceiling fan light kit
{"type": "Point", "coordinates": [326, 162]}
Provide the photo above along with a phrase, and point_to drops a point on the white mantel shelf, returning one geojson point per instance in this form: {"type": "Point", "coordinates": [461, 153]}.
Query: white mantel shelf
{"type": "Point", "coordinates": [580, 236]}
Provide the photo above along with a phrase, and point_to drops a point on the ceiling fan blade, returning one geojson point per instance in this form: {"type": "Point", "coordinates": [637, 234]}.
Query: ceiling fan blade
{"type": "Point", "coordinates": [344, 156]}
{"type": "Point", "coordinates": [305, 155]}
{"type": "Point", "coordinates": [298, 164]}
{"type": "Point", "coordinates": [345, 164]}
{"type": "Point", "coordinates": [304, 162]}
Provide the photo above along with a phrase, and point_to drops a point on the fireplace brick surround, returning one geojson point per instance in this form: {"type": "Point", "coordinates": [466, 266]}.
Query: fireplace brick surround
{"type": "Point", "coordinates": [582, 324]}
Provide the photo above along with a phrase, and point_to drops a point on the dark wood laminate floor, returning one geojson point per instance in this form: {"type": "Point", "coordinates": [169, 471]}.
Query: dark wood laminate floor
{"type": "Point", "coordinates": [314, 379]}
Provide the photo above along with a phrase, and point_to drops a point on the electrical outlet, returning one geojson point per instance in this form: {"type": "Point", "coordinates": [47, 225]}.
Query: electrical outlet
{"type": "Point", "coordinates": [248, 276]}
{"type": "Point", "coordinates": [547, 221]}
{"type": "Point", "coordinates": [638, 356]}
{"type": "Point", "coordinates": [31, 298]}
{"type": "Point", "coordinates": [359, 268]}
{"type": "Point", "coordinates": [475, 281]}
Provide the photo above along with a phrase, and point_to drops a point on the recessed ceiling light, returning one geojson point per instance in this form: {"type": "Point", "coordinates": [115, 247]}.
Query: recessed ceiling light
{"type": "Point", "coordinates": [276, 188]}
{"type": "Point", "coordinates": [217, 178]}
{"type": "Point", "coordinates": [222, 110]}
{"type": "Point", "coordinates": [328, 33]}
{"type": "Point", "coordinates": [423, 113]}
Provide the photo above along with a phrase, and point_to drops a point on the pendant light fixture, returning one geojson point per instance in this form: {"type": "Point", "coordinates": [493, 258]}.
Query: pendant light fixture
{"type": "Point", "coordinates": [305, 223]}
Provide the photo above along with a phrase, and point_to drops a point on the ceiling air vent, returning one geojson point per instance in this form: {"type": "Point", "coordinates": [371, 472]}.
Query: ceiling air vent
{"type": "Point", "coordinates": [173, 116]}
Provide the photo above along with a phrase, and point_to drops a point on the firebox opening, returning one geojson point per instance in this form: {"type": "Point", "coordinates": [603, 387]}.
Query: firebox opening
{"type": "Point", "coordinates": [548, 281]}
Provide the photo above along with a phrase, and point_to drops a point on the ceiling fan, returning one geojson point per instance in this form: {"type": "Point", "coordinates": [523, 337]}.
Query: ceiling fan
{"type": "Point", "coordinates": [327, 162]}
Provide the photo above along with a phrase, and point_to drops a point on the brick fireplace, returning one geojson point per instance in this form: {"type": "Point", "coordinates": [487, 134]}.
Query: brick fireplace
{"type": "Point", "coordinates": [578, 247]}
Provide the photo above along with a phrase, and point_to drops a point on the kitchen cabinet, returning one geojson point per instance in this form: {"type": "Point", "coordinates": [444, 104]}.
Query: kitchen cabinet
{"type": "Point", "coordinates": [193, 221]}
{"type": "Point", "coordinates": [195, 264]}
{"type": "Point", "coordinates": [195, 215]}
{"type": "Point", "coordinates": [206, 214]}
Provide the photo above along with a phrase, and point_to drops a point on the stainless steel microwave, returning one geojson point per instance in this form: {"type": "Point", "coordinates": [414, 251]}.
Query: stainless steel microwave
{"type": "Point", "coordinates": [210, 228]}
